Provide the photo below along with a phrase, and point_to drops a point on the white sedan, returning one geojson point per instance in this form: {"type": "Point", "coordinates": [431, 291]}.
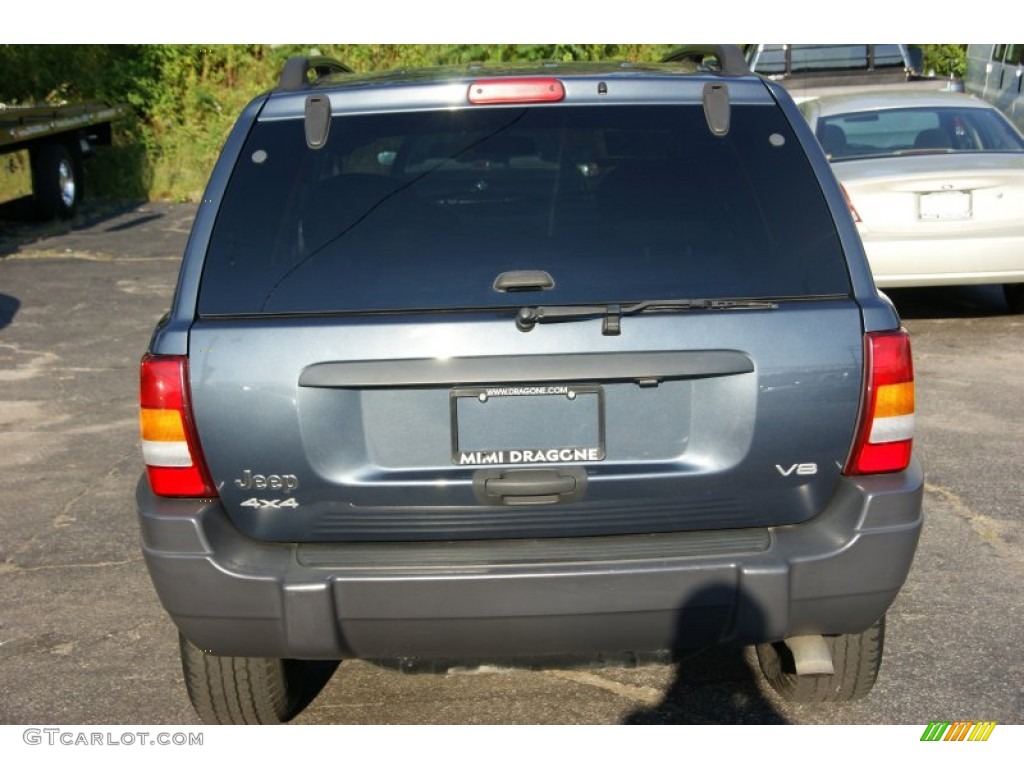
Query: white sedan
{"type": "Point", "coordinates": [936, 184]}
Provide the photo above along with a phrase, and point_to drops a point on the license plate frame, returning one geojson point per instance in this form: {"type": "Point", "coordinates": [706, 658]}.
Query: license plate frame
{"type": "Point", "coordinates": [535, 407]}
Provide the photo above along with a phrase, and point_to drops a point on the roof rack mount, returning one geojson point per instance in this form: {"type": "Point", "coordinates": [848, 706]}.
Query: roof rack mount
{"type": "Point", "coordinates": [729, 57]}
{"type": "Point", "coordinates": [295, 75]}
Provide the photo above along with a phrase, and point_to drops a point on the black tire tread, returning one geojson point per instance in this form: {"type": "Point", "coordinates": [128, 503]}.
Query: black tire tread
{"type": "Point", "coordinates": [1014, 295]}
{"type": "Point", "coordinates": [236, 690]}
{"type": "Point", "coordinates": [45, 160]}
{"type": "Point", "coordinates": [855, 657]}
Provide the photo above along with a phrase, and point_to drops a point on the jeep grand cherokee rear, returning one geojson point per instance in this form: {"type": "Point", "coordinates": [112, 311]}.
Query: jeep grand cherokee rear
{"type": "Point", "coordinates": [573, 360]}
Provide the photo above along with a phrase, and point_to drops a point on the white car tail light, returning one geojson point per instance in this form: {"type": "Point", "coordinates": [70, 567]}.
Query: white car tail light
{"type": "Point", "coordinates": [849, 202]}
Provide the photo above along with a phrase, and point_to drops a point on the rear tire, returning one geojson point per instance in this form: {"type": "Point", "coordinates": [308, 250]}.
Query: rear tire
{"type": "Point", "coordinates": [1014, 295]}
{"type": "Point", "coordinates": [237, 690]}
{"type": "Point", "coordinates": [56, 180]}
{"type": "Point", "coordinates": [856, 659]}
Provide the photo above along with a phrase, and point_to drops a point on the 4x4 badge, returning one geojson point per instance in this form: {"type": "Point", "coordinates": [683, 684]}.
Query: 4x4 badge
{"type": "Point", "coordinates": [270, 503]}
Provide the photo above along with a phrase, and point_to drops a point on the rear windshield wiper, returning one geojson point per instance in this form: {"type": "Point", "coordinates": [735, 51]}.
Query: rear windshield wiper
{"type": "Point", "coordinates": [528, 317]}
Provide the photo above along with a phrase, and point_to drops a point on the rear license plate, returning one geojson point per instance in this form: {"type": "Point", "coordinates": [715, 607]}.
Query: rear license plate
{"type": "Point", "coordinates": [945, 205]}
{"type": "Point", "coordinates": [527, 424]}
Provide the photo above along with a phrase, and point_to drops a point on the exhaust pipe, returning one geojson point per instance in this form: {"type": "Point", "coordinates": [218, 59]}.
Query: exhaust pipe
{"type": "Point", "coordinates": [810, 655]}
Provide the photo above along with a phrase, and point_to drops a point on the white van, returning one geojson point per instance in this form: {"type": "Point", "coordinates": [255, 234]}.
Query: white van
{"type": "Point", "coordinates": [995, 72]}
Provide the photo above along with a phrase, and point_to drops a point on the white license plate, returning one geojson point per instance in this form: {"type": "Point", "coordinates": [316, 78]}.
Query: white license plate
{"type": "Point", "coordinates": [945, 205]}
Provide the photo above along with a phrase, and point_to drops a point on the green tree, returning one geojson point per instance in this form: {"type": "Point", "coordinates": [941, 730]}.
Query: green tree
{"type": "Point", "coordinates": [946, 59]}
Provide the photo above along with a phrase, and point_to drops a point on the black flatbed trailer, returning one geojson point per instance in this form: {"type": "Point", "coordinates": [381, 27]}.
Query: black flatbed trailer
{"type": "Point", "coordinates": [809, 70]}
{"type": "Point", "coordinates": [57, 139]}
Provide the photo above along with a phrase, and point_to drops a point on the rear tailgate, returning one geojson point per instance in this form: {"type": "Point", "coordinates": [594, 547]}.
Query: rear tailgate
{"type": "Point", "coordinates": [315, 431]}
{"type": "Point", "coordinates": [357, 372]}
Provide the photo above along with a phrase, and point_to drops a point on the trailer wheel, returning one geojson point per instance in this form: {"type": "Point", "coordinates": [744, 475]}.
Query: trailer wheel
{"type": "Point", "coordinates": [56, 180]}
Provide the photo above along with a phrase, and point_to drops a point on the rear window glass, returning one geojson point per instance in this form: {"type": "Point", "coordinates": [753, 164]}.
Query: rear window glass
{"type": "Point", "coordinates": [423, 211]}
{"type": "Point", "coordinates": [911, 131]}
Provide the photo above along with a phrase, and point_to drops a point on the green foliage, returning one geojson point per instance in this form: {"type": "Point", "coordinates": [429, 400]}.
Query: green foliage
{"type": "Point", "coordinates": [946, 59]}
{"type": "Point", "coordinates": [52, 73]}
{"type": "Point", "coordinates": [15, 176]}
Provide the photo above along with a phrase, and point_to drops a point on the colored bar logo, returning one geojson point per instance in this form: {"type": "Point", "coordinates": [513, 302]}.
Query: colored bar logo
{"type": "Point", "coordinates": [958, 730]}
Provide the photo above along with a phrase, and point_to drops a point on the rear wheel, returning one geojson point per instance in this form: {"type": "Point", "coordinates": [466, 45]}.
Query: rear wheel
{"type": "Point", "coordinates": [237, 690]}
{"type": "Point", "coordinates": [855, 658]}
{"type": "Point", "coordinates": [56, 180]}
{"type": "Point", "coordinates": [1014, 294]}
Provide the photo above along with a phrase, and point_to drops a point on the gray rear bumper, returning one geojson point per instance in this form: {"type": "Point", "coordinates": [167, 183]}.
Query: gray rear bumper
{"type": "Point", "coordinates": [235, 596]}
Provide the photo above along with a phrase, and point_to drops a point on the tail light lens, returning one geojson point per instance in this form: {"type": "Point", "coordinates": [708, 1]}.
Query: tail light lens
{"type": "Point", "coordinates": [170, 445]}
{"type": "Point", "coordinates": [886, 429]}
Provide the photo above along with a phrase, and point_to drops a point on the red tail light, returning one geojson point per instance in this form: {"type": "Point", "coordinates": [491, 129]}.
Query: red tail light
{"type": "Point", "coordinates": [170, 445]}
{"type": "Point", "coordinates": [886, 429]}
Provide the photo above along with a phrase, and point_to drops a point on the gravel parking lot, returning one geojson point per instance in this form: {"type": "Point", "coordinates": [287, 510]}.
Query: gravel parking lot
{"type": "Point", "coordinates": [83, 638]}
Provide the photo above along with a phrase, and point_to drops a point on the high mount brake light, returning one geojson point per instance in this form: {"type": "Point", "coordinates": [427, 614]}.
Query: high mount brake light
{"type": "Point", "coordinates": [886, 429]}
{"type": "Point", "coordinates": [516, 90]}
{"type": "Point", "coordinates": [170, 444]}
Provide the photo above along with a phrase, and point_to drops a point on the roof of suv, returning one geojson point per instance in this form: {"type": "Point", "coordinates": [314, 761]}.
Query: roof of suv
{"type": "Point", "coordinates": [686, 60]}
{"type": "Point", "coordinates": [501, 69]}
{"type": "Point", "coordinates": [448, 86]}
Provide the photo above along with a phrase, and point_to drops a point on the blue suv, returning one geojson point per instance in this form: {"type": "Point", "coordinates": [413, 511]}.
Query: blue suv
{"type": "Point", "coordinates": [525, 362]}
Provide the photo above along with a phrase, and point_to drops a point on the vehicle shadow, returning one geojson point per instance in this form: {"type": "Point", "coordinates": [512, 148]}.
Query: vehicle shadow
{"type": "Point", "coordinates": [948, 301]}
{"type": "Point", "coordinates": [714, 685]}
{"type": "Point", "coordinates": [19, 226]}
{"type": "Point", "coordinates": [8, 309]}
{"type": "Point", "coordinates": [310, 678]}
